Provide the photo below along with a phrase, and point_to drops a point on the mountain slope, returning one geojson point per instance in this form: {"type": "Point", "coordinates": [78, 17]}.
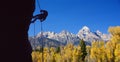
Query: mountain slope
{"type": "Point", "coordinates": [65, 37]}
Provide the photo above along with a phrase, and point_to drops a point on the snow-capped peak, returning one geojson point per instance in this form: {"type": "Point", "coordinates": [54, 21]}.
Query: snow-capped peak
{"type": "Point", "coordinates": [46, 34]}
{"type": "Point", "coordinates": [99, 33]}
{"type": "Point", "coordinates": [87, 35]}
{"type": "Point", "coordinates": [85, 28]}
{"type": "Point", "coordinates": [65, 32]}
{"type": "Point", "coordinates": [66, 36]}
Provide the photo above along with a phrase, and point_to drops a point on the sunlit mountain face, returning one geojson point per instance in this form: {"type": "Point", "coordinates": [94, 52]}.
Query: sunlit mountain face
{"type": "Point", "coordinates": [64, 37]}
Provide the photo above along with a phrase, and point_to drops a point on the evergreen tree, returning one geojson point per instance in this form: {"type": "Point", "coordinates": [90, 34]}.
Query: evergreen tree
{"type": "Point", "coordinates": [58, 49]}
{"type": "Point", "coordinates": [83, 49]}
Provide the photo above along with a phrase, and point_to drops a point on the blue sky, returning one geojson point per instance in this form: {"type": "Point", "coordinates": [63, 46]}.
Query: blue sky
{"type": "Point", "coordinates": [72, 15]}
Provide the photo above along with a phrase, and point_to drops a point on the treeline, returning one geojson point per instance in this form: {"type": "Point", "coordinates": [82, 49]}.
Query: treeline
{"type": "Point", "coordinates": [99, 51]}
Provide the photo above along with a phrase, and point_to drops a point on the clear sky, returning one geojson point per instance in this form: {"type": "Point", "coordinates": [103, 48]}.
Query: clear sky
{"type": "Point", "coordinates": [72, 15]}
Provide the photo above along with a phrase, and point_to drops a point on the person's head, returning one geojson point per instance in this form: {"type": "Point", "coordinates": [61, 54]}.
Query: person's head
{"type": "Point", "coordinates": [44, 12]}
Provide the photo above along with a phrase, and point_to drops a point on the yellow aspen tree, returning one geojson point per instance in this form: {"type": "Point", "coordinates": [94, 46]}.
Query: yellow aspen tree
{"type": "Point", "coordinates": [115, 32]}
{"type": "Point", "coordinates": [52, 54]}
{"type": "Point", "coordinates": [117, 53]}
{"type": "Point", "coordinates": [109, 51]}
{"type": "Point", "coordinates": [45, 54]}
{"type": "Point", "coordinates": [88, 48]}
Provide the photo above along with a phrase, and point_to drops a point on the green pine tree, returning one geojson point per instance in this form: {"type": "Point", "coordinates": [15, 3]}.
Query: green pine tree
{"type": "Point", "coordinates": [58, 49]}
{"type": "Point", "coordinates": [83, 49]}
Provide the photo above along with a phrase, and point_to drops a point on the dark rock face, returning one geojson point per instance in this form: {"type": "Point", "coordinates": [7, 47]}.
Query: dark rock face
{"type": "Point", "coordinates": [15, 17]}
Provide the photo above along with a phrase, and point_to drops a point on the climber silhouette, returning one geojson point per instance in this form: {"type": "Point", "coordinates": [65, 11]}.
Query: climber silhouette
{"type": "Point", "coordinates": [15, 18]}
{"type": "Point", "coordinates": [41, 16]}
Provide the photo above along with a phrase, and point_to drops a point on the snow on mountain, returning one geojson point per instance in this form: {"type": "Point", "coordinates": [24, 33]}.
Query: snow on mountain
{"type": "Point", "coordinates": [85, 30]}
{"type": "Point", "coordinates": [87, 35]}
{"type": "Point", "coordinates": [65, 37]}
{"type": "Point", "coordinates": [99, 33]}
{"type": "Point", "coordinates": [104, 37]}
{"type": "Point", "coordinates": [46, 34]}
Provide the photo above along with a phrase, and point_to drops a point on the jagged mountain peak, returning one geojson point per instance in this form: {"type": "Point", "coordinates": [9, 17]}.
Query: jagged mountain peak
{"type": "Point", "coordinates": [65, 32]}
{"type": "Point", "coordinates": [46, 34]}
{"type": "Point", "coordinates": [85, 28]}
{"type": "Point", "coordinates": [99, 33]}
{"type": "Point", "coordinates": [87, 35]}
{"type": "Point", "coordinates": [65, 36]}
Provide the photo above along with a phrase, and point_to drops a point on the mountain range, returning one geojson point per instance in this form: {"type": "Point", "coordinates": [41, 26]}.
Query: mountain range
{"type": "Point", "coordinates": [52, 39]}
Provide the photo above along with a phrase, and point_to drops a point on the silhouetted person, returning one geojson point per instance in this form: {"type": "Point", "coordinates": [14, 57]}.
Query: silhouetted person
{"type": "Point", "coordinates": [15, 18]}
{"type": "Point", "coordinates": [41, 16]}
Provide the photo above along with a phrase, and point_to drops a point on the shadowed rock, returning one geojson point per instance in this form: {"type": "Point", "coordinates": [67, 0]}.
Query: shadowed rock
{"type": "Point", "coordinates": [15, 17]}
